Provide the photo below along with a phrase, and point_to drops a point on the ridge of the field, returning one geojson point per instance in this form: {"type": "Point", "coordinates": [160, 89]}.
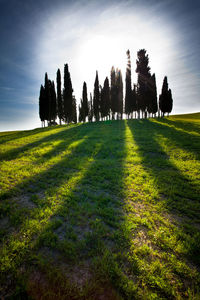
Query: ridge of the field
{"type": "Point", "coordinates": [103, 210]}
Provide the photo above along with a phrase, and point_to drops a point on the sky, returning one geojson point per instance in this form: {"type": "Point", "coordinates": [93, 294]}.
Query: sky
{"type": "Point", "coordinates": [41, 36]}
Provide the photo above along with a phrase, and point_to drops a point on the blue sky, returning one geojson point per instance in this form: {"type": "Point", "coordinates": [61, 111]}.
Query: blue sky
{"type": "Point", "coordinates": [41, 36]}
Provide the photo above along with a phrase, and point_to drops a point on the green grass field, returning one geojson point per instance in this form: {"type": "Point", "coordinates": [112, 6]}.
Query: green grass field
{"type": "Point", "coordinates": [107, 210]}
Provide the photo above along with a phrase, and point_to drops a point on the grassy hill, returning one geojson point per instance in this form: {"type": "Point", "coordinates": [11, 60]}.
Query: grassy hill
{"type": "Point", "coordinates": [107, 210]}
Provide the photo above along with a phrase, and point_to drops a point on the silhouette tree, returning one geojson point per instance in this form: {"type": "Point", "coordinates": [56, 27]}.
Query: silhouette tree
{"type": "Point", "coordinates": [59, 97]}
{"type": "Point", "coordinates": [106, 93]}
{"type": "Point", "coordinates": [74, 110]}
{"type": "Point", "coordinates": [113, 92]}
{"type": "Point", "coordinates": [85, 101]}
{"type": "Point", "coordinates": [90, 109]}
{"type": "Point", "coordinates": [165, 99]}
{"type": "Point", "coordinates": [144, 78]}
{"type": "Point", "coordinates": [128, 92]}
{"type": "Point", "coordinates": [67, 95]}
{"type": "Point", "coordinates": [154, 96]}
{"type": "Point", "coordinates": [47, 98]}
{"type": "Point", "coordinates": [53, 109]}
{"type": "Point", "coordinates": [119, 92]}
{"type": "Point", "coordinates": [170, 101]}
{"type": "Point", "coordinates": [42, 107]}
{"type": "Point", "coordinates": [133, 104]}
{"type": "Point", "coordinates": [96, 98]}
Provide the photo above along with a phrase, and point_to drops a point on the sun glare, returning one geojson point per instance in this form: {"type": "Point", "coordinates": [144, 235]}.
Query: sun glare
{"type": "Point", "coordinates": [101, 44]}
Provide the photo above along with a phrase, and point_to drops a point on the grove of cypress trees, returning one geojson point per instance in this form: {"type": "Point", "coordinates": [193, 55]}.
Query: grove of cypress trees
{"type": "Point", "coordinates": [96, 98]}
{"type": "Point", "coordinates": [67, 95]}
{"type": "Point", "coordinates": [59, 97]}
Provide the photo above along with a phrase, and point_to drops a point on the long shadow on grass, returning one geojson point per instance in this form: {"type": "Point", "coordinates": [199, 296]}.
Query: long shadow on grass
{"type": "Point", "coordinates": [177, 192]}
{"type": "Point", "coordinates": [183, 139]}
{"type": "Point", "coordinates": [7, 137]}
{"type": "Point", "coordinates": [85, 218]}
{"type": "Point", "coordinates": [51, 137]}
{"type": "Point", "coordinates": [88, 227]}
{"type": "Point", "coordinates": [186, 125]}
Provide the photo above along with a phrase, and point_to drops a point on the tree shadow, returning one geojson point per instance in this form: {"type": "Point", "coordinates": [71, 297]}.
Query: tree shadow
{"type": "Point", "coordinates": [182, 139]}
{"type": "Point", "coordinates": [183, 124]}
{"type": "Point", "coordinates": [89, 185]}
{"type": "Point", "coordinates": [52, 137]}
{"type": "Point", "coordinates": [11, 136]}
{"type": "Point", "coordinates": [178, 194]}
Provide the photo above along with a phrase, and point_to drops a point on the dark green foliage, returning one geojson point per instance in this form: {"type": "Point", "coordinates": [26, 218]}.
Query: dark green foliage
{"type": "Point", "coordinates": [85, 101]}
{"type": "Point", "coordinates": [134, 99]}
{"type": "Point", "coordinates": [144, 80]}
{"type": "Point", "coordinates": [113, 92]}
{"type": "Point", "coordinates": [154, 95]}
{"type": "Point", "coordinates": [90, 109]}
{"type": "Point", "coordinates": [165, 99]}
{"type": "Point", "coordinates": [42, 104]}
{"type": "Point", "coordinates": [53, 109]}
{"type": "Point", "coordinates": [119, 89]}
{"type": "Point", "coordinates": [47, 97]}
{"type": "Point", "coordinates": [170, 101]}
{"type": "Point", "coordinates": [152, 106]}
{"type": "Point", "coordinates": [96, 98]}
{"type": "Point", "coordinates": [105, 100]}
{"type": "Point", "coordinates": [49, 100]}
{"type": "Point", "coordinates": [59, 97]}
{"type": "Point", "coordinates": [116, 93]}
{"type": "Point", "coordinates": [81, 112]}
{"type": "Point", "coordinates": [128, 93]}
{"type": "Point", "coordinates": [74, 110]}
{"type": "Point", "coordinates": [67, 95]}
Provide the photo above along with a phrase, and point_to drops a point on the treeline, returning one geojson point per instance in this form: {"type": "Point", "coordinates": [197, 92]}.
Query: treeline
{"type": "Point", "coordinates": [107, 101]}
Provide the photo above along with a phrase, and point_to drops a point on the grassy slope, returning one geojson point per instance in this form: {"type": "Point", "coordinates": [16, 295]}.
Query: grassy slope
{"type": "Point", "coordinates": [106, 210]}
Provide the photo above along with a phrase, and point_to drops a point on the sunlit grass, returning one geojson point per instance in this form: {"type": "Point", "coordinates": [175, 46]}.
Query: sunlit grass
{"type": "Point", "coordinates": [108, 209]}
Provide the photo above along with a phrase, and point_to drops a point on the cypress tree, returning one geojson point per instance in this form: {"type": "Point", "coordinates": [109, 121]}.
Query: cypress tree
{"type": "Point", "coordinates": [144, 77]}
{"type": "Point", "coordinates": [53, 110]}
{"type": "Point", "coordinates": [42, 105]}
{"type": "Point", "coordinates": [165, 99]}
{"type": "Point", "coordinates": [74, 110]}
{"type": "Point", "coordinates": [113, 92]}
{"type": "Point", "coordinates": [154, 96]}
{"type": "Point", "coordinates": [96, 98]}
{"type": "Point", "coordinates": [47, 98]}
{"type": "Point", "coordinates": [170, 101]}
{"type": "Point", "coordinates": [67, 95]}
{"type": "Point", "coordinates": [85, 101]}
{"type": "Point", "coordinates": [119, 90]}
{"type": "Point", "coordinates": [101, 102]}
{"type": "Point", "coordinates": [128, 92]}
{"type": "Point", "coordinates": [133, 104]}
{"type": "Point", "coordinates": [106, 98]}
{"type": "Point", "coordinates": [59, 97]}
{"type": "Point", "coordinates": [90, 109]}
